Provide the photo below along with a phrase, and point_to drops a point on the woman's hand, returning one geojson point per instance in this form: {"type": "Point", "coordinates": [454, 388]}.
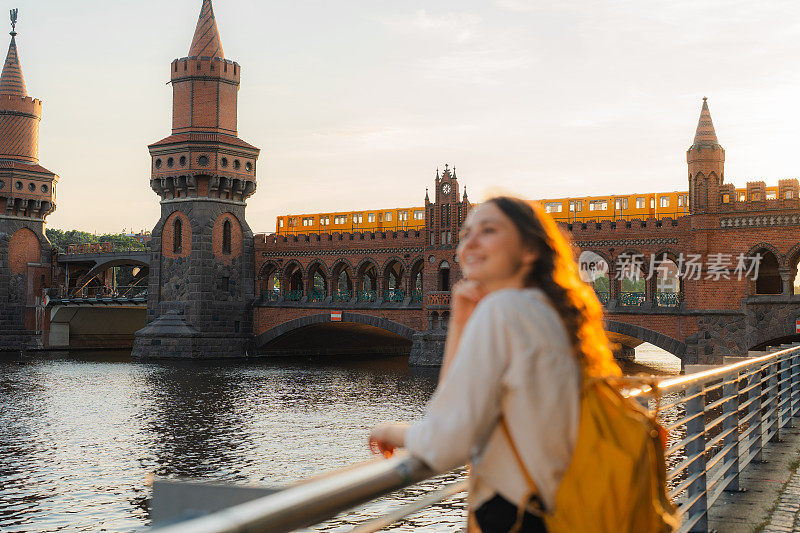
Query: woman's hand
{"type": "Point", "coordinates": [465, 297]}
{"type": "Point", "coordinates": [386, 437]}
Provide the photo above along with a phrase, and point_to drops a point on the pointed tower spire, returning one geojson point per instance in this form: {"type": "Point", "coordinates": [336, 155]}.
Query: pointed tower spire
{"type": "Point", "coordinates": [206, 41]}
{"type": "Point", "coordinates": [427, 198]}
{"type": "Point", "coordinates": [11, 80]}
{"type": "Point", "coordinates": [705, 134]}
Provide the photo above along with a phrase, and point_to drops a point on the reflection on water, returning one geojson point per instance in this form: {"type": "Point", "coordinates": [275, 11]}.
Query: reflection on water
{"type": "Point", "coordinates": [80, 434]}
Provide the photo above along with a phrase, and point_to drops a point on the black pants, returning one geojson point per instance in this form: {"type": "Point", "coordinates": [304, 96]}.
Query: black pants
{"type": "Point", "coordinates": [498, 515]}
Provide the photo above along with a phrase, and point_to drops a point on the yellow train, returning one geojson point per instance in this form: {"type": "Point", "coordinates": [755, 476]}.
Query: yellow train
{"type": "Point", "coordinates": [611, 207]}
{"type": "Point", "coordinates": [400, 219]}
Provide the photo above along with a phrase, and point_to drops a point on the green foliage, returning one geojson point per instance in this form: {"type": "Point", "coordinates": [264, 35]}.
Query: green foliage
{"type": "Point", "coordinates": [61, 239]}
{"type": "Point", "coordinates": [633, 285]}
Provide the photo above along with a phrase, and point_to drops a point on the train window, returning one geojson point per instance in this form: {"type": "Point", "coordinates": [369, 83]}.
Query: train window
{"type": "Point", "coordinates": [640, 203]}
{"type": "Point", "coordinates": [552, 207]}
{"type": "Point", "coordinates": [772, 195]}
{"type": "Point", "coordinates": [371, 217]}
{"type": "Point", "coordinates": [664, 201]}
{"type": "Point", "coordinates": [598, 205]}
{"type": "Point", "coordinates": [388, 216]}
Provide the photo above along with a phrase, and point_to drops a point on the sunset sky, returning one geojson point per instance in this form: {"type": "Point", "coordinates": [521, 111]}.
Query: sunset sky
{"type": "Point", "coordinates": [354, 104]}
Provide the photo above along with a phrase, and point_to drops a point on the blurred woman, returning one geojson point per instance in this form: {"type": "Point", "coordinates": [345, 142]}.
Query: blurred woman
{"type": "Point", "coordinates": [522, 329]}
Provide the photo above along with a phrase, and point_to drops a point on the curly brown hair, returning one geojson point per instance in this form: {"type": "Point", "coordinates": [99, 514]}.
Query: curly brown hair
{"type": "Point", "coordinates": [554, 272]}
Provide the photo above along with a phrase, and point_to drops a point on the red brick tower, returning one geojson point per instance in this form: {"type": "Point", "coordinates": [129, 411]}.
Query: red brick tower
{"type": "Point", "coordinates": [27, 196]}
{"type": "Point", "coordinates": [706, 160]}
{"type": "Point", "coordinates": [201, 272]}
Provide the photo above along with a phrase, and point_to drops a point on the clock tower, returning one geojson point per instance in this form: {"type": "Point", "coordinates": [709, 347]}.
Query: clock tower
{"type": "Point", "coordinates": [443, 218]}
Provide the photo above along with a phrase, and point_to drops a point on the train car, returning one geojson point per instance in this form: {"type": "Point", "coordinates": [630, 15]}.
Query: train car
{"type": "Point", "coordinates": [397, 219]}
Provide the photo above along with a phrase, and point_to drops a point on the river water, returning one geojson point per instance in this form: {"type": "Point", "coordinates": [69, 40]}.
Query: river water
{"type": "Point", "coordinates": [81, 433]}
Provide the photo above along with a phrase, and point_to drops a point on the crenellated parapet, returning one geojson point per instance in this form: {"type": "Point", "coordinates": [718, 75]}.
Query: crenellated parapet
{"type": "Point", "coordinates": [658, 225]}
{"type": "Point", "coordinates": [275, 241]}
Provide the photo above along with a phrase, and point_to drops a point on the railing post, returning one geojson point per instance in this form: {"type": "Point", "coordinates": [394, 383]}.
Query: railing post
{"type": "Point", "coordinates": [731, 411]}
{"type": "Point", "coordinates": [754, 395]}
{"type": "Point", "coordinates": [698, 512]}
{"type": "Point", "coordinates": [772, 399]}
{"type": "Point", "coordinates": [784, 378]}
{"type": "Point", "coordinates": [794, 391]}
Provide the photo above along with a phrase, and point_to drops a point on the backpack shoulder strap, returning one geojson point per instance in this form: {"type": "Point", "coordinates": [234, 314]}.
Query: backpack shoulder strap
{"type": "Point", "coordinates": [518, 457]}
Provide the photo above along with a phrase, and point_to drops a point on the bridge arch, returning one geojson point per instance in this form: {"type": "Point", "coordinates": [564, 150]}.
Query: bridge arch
{"type": "Point", "coordinates": [111, 263]}
{"type": "Point", "coordinates": [355, 333]}
{"type": "Point", "coordinates": [665, 342]}
{"type": "Point", "coordinates": [318, 279]}
{"type": "Point", "coordinates": [292, 279]}
{"type": "Point", "coordinates": [342, 280]}
{"type": "Point", "coordinates": [367, 278]}
{"type": "Point", "coordinates": [790, 263]}
{"type": "Point", "coordinates": [783, 331]}
{"type": "Point", "coordinates": [415, 278]}
{"type": "Point", "coordinates": [768, 280]}
{"type": "Point", "coordinates": [269, 271]}
{"type": "Point", "coordinates": [393, 274]}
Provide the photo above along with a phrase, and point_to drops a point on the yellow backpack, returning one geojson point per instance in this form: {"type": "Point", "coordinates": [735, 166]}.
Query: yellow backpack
{"type": "Point", "coordinates": [616, 481]}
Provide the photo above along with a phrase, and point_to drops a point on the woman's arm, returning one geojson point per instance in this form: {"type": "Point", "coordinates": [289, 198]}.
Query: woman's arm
{"type": "Point", "coordinates": [465, 297]}
{"type": "Point", "coordinates": [466, 405]}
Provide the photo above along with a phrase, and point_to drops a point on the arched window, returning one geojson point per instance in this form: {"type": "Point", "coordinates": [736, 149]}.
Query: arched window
{"type": "Point", "coordinates": [177, 235]}
{"type": "Point", "coordinates": [226, 237]}
{"type": "Point", "coordinates": [768, 280]}
{"type": "Point", "coordinates": [444, 276]}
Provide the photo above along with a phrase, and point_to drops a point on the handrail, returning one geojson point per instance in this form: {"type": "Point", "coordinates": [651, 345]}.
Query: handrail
{"type": "Point", "coordinates": [312, 501]}
{"type": "Point", "coordinates": [706, 452]}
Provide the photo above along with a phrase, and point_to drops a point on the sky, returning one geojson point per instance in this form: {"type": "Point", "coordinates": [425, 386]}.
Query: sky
{"type": "Point", "coordinates": [355, 103]}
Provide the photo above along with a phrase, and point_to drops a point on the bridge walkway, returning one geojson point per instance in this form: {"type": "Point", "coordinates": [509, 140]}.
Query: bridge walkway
{"type": "Point", "coordinates": [771, 502]}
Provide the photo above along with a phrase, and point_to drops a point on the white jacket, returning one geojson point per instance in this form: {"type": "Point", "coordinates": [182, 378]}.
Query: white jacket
{"type": "Point", "coordinates": [514, 360]}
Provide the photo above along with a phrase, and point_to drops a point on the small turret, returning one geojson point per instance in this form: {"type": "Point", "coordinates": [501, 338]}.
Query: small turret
{"type": "Point", "coordinates": [706, 162]}
{"type": "Point", "coordinates": [206, 41]}
{"type": "Point", "coordinates": [11, 80]}
{"type": "Point", "coordinates": [26, 189]}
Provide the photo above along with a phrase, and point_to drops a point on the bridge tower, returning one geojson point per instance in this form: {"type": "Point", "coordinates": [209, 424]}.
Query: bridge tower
{"type": "Point", "coordinates": [201, 267]}
{"type": "Point", "coordinates": [27, 196]}
{"type": "Point", "coordinates": [706, 161]}
{"type": "Point", "coordinates": [443, 218]}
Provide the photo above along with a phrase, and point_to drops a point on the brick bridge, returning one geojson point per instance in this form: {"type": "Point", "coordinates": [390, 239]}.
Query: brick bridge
{"type": "Point", "coordinates": [373, 280]}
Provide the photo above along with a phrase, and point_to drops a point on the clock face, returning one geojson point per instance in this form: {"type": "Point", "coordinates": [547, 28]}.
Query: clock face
{"type": "Point", "coordinates": [446, 188]}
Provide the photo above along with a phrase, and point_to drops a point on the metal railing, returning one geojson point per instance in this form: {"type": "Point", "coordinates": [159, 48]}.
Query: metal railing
{"type": "Point", "coordinates": [718, 422]}
{"type": "Point", "coordinates": [394, 295]}
{"type": "Point", "coordinates": [103, 292]}
{"type": "Point", "coordinates": [342, 295]}
{"type": "Point", "coordinates": [367, 296]}
{"type": "Point", "coordinates": [668, 299]}
{"type": "Point", "coordinates": [632, 298]}
{"type": "Point", "coordinates": [106, 247]}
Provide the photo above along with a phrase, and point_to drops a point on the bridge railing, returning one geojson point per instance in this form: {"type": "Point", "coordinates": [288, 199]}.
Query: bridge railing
{"type": "Point", "coordinates": [718, 421]}
{"type": "Point", "coordinates": [103, 292]}
{"type": "Point", "coordinates": [103, 248]}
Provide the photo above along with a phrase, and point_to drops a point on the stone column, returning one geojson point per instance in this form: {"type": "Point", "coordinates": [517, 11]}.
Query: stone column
{"type": "Point", "coordinates": [787, 285]}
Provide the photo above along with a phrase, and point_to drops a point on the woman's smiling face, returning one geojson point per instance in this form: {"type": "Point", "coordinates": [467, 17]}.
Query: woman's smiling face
{"type": "Point", "coordinates": [490, 249]}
